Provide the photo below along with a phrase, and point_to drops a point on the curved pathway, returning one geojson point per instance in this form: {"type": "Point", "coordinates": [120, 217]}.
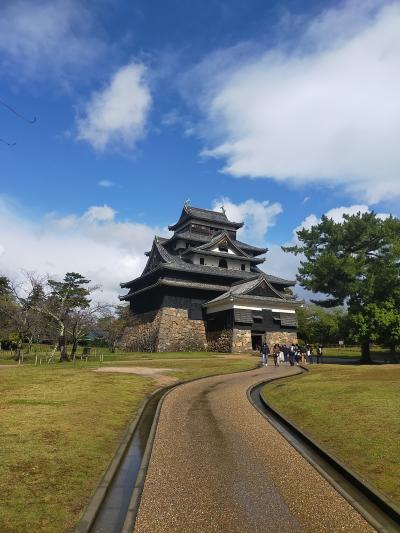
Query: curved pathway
{"type": "Point", "coordinates": [218, 466]}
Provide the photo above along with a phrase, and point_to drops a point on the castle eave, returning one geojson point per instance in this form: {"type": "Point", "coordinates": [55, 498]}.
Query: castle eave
{"type": "Point", "coordinates": [177, 283]}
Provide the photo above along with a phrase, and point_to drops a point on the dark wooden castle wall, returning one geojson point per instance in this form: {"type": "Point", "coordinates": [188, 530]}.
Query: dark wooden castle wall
{"type": "Point", "coordinates": [259, 321]}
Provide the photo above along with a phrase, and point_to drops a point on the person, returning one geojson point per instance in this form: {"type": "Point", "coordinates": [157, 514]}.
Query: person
{"type": "Point", "coordinates": [285, 352]}
{"type": "Point", "coordinates": [276, 353]}
{"type": "Point", "coordinates": [303, 355]}
{"type": "Point", "coordinates": [291, 356]}
{"type": "Point", "coordinates": [297, 354]}
{"type": "Point", "coordinates": [319, 353]}
{"type": "Point", "coordinates": [264, 354]}
{"type": "Point", "coordinates": [310, 354]}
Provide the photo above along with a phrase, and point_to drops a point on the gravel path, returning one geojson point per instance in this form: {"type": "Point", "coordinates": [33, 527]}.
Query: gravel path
{"type": "Point", "coordinates": [218, 466]}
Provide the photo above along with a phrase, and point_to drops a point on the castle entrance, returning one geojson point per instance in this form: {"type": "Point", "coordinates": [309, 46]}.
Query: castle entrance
{"type": "Point", "coordinates": [257, 340]}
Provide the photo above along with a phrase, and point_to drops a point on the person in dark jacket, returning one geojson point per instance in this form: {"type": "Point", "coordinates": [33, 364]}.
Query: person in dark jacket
{"type": "Point", "coordinates": [264, 354]}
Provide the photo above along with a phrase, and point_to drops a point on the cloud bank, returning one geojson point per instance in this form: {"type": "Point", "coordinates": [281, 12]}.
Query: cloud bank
{"type": "Point", "coordinates": [326, 112]}
{"type": "Point", "coordinates": [258, 217]}
{"type": "Point", "coordinates": [116, 116]}
{"type": "Point", "coordinates": [94, 243]}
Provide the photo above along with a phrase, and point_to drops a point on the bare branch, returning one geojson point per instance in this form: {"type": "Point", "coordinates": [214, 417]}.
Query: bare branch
{"type": "Point", "coordinates": [22, 117]}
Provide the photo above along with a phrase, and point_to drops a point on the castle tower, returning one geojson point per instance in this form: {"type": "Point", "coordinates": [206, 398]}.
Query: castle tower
{"type": "Point", "coordinates": [202, 289]}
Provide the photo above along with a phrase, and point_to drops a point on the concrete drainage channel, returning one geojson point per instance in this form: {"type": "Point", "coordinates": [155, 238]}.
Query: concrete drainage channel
{"type": "Point", "coordinates": [373, 506]}
{"type": "Point", "coordinates": [114, 505]}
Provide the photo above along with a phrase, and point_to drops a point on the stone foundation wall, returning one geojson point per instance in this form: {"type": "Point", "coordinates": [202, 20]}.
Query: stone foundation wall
{"type": "Point", "coordinates": [178, 333]}
{"type": "Point", "coordinates": [241, 340]}
{"type": "Point", "coordinates": [219, 341]}
{"type": "Point", "coordinates": [164, 330]}
{"type": "Point", "coordinates": [169, 329]}
{"type": "Point", "coordinates": [281, 337]}
{"type": "Point", "coordinates": [142, 333]}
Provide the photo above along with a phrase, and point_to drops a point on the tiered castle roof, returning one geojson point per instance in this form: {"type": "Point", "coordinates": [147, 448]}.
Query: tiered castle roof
{"type": "Point", "coordinates": [202, 254]}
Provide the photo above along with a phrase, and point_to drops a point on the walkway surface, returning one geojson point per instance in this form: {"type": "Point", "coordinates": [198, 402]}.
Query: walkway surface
{"type": "Point", "coordinates": [218, 466]}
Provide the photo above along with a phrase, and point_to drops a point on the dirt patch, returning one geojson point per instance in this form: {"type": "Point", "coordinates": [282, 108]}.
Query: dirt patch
{"type": "Point", "coordinates": [158, 374]}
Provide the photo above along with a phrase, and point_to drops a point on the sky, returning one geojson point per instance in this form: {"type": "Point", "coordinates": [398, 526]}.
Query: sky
{"type": "Point", "coordinates": [113, 113]}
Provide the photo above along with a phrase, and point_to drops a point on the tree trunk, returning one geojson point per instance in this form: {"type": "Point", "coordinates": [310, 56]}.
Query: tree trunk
{"type": "Point", "coordinates": [63, 350]}
{"type": "Point", "coordinates": [74, 348]}
{"type": "Point", "coordinates": [18, 350]}
{"type": "Point", "coordinates": [365, 353]}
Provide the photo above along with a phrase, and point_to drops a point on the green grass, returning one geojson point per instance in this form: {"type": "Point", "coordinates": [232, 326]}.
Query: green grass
{"type": "Point", "coordinates": [6, 357]}
{"type": "Point", "coordinates": [351, 411]}
{"type": "Point", "coordinates": [60, 425]}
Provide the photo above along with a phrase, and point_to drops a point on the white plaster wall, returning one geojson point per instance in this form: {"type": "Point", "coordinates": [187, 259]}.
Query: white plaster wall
{"type": "Point", "coordinates": [210, 260]}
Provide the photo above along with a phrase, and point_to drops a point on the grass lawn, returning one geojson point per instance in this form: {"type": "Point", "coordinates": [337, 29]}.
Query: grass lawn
{"type": "Point", "coordinates": [351, 411]}
{"type": "Point", "coordinates": [61, 423]}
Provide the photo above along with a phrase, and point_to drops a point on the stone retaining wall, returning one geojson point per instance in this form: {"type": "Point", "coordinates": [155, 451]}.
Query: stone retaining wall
{"type": "Point", "coordinates": [241, 340]}
{"type": "Point", "coordinates": [178, 333]}
{"type": "Point", "coordinates": [142, 333]}
{"type": "Point", "coordinates": [169, 329]}
{"type": "Point", "coordinates": [281, 337]}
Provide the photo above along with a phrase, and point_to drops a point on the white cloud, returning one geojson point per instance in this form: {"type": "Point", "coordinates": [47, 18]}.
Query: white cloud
{"type": "Point", "coordinates": [51, 36]}
{"type": "Point", "coordinates": [105, 183]}
{"type": "Point", "coordinates": [257, 216]}
{"type": "Point", "coordinates": [116, 116]}
{"type": "Point", "coordinates": [336, 214]}
{"type": "Point", "coordinates": [327, 111]}
{"type": "Point", "coordinates": [95, 244]}
{"type": "Point", "coordinates": [98, 213]}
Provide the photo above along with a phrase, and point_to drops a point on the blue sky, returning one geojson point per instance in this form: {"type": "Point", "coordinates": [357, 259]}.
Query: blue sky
{"type": "Point", "coordinates": [282, 111]}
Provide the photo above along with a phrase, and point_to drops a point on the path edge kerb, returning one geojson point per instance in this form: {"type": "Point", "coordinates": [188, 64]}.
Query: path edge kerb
{"type": "Point", "coordinates": [379, 499]}
{"type": "Point", "coordinates": [93, 507]}
{"type": "Point", "coordinates": [133, 508]}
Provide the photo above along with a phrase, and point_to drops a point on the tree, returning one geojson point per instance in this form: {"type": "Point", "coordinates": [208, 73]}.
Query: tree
{"type": "Point", "coordinates": [16, 311]}
{"type": "Point", "coordinates": [355, 263]}
{"type": "Point", "coordinates": [82, 321]}
{"type": "Point", "coordinates": [61, 299]}
{"type": "Point", "coordinates": [318, 325]}
{"type": "Point", "coordinates": [112, 324]}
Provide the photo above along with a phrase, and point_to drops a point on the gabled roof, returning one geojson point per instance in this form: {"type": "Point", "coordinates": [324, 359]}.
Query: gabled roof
{"type": "Point", "coordinates": [247, 289]}
{"type": "Point", "coordinates": [157, 248]}
{"type": "Point", "coordinates": [160, 240]}
{"type": "Point", "coordinates": [197, 237]}
{"type": "Point", "coordinates": [218, 239]}
{"type": "Point", "coordinates": [206, 215]}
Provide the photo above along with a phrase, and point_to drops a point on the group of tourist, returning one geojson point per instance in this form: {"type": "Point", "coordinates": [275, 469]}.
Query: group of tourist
{"type": "Point", "coordinates": [292, 355]}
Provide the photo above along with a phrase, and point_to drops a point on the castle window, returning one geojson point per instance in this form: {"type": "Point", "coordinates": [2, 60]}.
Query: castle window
{"type": "Point", "coordinates": [202, 260]}
{"type": "Point", "coordinates": [222, 263]}
{"type": "Point", "coordinates": [243, 266]}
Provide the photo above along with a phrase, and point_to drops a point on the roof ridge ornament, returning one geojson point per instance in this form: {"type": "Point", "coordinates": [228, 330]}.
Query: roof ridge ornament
{"type": "Point", "coordinates": [223, 209]}
{"type": "Point", "coordinates": [186, 205]}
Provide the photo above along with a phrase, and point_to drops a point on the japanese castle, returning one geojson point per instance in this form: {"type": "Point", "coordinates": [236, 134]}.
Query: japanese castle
{"type": "Point", "coordinates": [202, 288]}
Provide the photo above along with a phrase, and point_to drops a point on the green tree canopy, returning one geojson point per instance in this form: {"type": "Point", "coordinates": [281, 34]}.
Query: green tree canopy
{"type": "Point", "coordinates": [318, 325]}
{"type": "Point", "coordinates": [355, 263]}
